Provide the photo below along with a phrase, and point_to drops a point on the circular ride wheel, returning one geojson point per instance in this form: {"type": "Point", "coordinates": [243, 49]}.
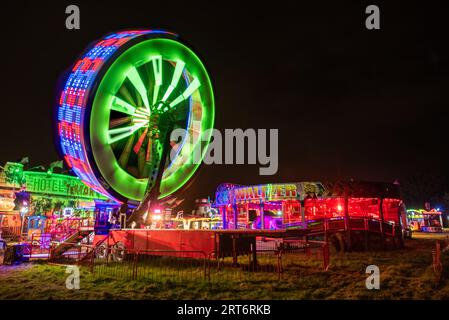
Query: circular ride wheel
{"type": "Point", "coordinates": [119, 106]}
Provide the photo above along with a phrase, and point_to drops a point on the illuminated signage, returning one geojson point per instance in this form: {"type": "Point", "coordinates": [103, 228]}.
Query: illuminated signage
{"type": "Point", "coordinates": [6, 204]}
{"type": "Point", "coordinates": [267, 192]}
{"type": "Point", "coordinates": [57, 184]}
{"type": "Point", "coordinates": [7, 200]}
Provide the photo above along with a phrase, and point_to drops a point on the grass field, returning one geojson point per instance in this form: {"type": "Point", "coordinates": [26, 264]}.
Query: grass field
{"type": "Point", "coordinates": [404, 274]}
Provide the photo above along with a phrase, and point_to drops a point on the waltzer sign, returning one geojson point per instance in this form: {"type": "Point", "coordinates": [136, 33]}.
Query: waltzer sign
{"type": "Point", "coordinates": [228, 193]}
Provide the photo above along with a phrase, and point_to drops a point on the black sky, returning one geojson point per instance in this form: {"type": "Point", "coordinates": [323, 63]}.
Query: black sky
{"type": "Point", "coordinates": [348, 102]}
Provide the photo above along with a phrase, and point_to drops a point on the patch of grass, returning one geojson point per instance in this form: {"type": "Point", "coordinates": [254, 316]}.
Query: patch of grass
{"type": "Point", "coordinates": [405, 274]}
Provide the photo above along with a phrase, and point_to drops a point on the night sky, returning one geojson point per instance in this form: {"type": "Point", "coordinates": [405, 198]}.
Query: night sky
{"type": "Point", "coordinates": [348, 102]}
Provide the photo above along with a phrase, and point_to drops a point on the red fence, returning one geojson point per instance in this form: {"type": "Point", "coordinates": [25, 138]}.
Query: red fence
{"type": "Point", "coordinates": [272, 261]}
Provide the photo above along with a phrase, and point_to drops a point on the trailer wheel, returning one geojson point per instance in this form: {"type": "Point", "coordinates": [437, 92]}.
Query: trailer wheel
{"type": "Point", "coordinates": [118, 252]}
{"type": "Point", "coordinates": [101, 252]}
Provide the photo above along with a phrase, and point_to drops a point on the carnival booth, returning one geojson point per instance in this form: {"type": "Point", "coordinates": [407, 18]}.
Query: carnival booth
{"type": "Point", "coordinates": [425, 220]}
{"type": "Point", "coordinates": [10, 225]}
{"type": "Point", "coordinates": [39, 207]}
{"type": "Point", "coordinates": [301, 204]}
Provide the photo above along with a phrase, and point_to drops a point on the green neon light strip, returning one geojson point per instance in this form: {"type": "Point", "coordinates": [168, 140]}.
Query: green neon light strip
{"type": "Point", "coordinates": [144, 121]}
{"type": "Point", "coordinates": [58, 185]}
{"type": "Point", "coordinates": [140, 120]}
{"type": "Point", "coordinates": [422, 211]}
{"type": "Point", "coordinates": [150, 51]}
{"type": "Point", "coordinates": [142, 112]}
{"type": "Point", "coordinates": [193, 86]}
{"type": "Point", "coordinates": [140, 116]}
{"type": "Point", "coordinates": [135, 79]}
{"type": "Point", "coordinates": [127, 131]}
{"type": "Point", "coordinates": [122, 106]}
{"type": "Point", "coordinates": [157, 69]}
{"type": "Point", "coordinates": [175, 80]}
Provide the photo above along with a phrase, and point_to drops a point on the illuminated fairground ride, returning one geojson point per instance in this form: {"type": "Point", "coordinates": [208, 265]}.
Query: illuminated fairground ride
{"type": "Point", "coordinates": [364, 213]}
{"type": "Point", "coordinates": [119, 105]}
{"type": "Point", "coordinates": [303, 204]}
{"type": "Point", "coordinates": [425, 220]}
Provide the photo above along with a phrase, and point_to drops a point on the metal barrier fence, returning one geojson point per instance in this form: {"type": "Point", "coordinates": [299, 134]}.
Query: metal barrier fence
{"type": "Point", "coordinates": [151, 265]}
{"type": "Point", "coordinates": [75, 254]}
{"type": "Point", "coordinates": [271, 261]}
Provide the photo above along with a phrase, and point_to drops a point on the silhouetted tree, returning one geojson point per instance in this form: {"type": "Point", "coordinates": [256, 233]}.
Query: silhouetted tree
{"type": "Point", "coordinates": [424, 187]}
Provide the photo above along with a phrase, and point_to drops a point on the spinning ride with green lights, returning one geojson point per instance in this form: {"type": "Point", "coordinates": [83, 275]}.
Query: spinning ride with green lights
{"type": "Point", "coordinates": [119, 105]}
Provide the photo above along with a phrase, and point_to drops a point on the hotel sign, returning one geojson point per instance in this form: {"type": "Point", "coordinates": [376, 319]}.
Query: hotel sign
{"type": "Point", "coordinates": [58, 184]}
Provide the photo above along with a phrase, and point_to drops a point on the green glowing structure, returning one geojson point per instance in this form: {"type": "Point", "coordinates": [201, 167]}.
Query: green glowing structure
{"type": "Point", "coordinates": [150, 85]}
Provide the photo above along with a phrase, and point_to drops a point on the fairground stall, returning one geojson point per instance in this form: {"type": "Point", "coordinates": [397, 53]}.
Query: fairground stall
{"type": "Point", "coordinates": [45, 206]}
{"type": "Point", "coordinates": [289, 205]}
{"type": "Point", "coordinates": [364, 213]}
{"type": "Point", "coordinates": [425, 220]}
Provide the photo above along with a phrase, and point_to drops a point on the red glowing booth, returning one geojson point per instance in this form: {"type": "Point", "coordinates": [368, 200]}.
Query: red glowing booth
{"type": "Point", "coordinates": [303, 204]}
